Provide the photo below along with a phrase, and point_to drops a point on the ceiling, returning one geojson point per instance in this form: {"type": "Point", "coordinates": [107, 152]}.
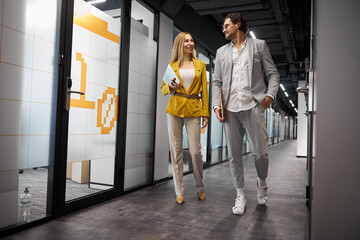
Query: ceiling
{"type": "Point", "coordinates": [283, 24]}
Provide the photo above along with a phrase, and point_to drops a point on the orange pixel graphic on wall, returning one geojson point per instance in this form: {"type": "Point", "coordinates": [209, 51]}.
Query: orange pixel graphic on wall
{"type": "Point", "coordinates": [107, 106]}
{"type": "Point", "coordinates": [104, 119]}
{"type": "Point", "coordinates": [82, 103]}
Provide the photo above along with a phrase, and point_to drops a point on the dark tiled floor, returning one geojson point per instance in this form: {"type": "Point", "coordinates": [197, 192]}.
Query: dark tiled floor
{"type": "Point", "coordinates": [152, 213]}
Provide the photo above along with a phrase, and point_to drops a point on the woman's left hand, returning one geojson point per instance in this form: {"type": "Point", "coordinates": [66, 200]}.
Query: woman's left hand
{"type": "Point", "coordinates": [205, 121]}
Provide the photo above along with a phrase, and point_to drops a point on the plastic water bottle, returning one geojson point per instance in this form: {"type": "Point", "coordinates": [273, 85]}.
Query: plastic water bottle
{"type": "Point", "coordinates": [25, 205]}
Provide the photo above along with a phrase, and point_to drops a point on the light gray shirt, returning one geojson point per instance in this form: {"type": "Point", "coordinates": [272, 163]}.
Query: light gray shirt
{"type": "Point", "coordinates": [240, 98]}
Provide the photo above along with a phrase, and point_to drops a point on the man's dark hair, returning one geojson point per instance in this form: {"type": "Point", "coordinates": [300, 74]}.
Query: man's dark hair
{"type": "Point", "coordinates": [237, 17]}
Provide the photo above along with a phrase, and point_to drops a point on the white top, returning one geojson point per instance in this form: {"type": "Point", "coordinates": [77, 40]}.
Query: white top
{"type": "Point", "coordinates": [187, 75]}
{"type": "Point", "coordinates": [240, 98]}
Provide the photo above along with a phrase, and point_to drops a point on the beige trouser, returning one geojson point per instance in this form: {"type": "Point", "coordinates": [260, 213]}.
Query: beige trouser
{"type": "Point", "coordinates": [192, 125]}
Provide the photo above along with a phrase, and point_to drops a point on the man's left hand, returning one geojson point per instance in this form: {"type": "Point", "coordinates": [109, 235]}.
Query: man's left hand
{"type": "Point", "coordinates": [266, 102]}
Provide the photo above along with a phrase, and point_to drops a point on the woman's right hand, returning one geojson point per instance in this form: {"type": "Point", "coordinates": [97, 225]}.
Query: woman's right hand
{"type": "Point", "coordinates": [173, 85]}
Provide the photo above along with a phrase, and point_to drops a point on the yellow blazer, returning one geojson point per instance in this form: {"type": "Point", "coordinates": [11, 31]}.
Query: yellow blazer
{"type": "Point", "coordinates": [184, 107]}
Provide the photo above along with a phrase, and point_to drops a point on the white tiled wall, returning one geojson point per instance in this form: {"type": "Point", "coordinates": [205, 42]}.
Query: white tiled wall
{"type": "Point", "coordinates": [29, 36]}
{"type": "Point", "coordinates": [20, 87]}
{"type": "Point", "coordinates": [17, 48]}
{"type": "Point", "coordinates": [141, 105]}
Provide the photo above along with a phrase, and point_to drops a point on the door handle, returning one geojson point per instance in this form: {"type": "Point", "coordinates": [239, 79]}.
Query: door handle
{"type": "Point", "coordinates": [77, 92]}
{"type": "Point", "coordinates": [302, 89]}
{"type": "Point", "coordinates": [67, 87]}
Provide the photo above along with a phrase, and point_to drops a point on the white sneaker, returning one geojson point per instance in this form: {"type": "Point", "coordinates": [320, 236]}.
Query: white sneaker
{"type": "Point", "coordinates": [262, 194]}
{"type": "Point", "coordinates": [240, 204]}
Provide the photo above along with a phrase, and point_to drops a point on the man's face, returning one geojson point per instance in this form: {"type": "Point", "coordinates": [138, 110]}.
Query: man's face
{"type": "Point", "coordinates": [230, 29]}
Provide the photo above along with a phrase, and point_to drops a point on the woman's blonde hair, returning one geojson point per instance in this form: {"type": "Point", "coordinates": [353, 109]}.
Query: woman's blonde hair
{"type": "Point", "coordinates": [178, 48]}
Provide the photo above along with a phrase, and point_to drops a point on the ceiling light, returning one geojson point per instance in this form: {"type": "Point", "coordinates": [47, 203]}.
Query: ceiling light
{"type": "Point", "coordinates": [96, 1]}
{"type": "Point", "coordinates": [252, 34]}
{"type": "Point", "coordinates": [295, 110]}
{"type": "Point", "coordinates": [287, 95]}
{"type": "Point", "coordinates": [282, 87]}
{"type": "Point", "coordinates": [292, 104]}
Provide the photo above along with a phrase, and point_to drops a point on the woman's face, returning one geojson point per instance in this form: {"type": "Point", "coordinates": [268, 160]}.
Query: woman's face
{"type": "Point", "coordinates": [188, 44]}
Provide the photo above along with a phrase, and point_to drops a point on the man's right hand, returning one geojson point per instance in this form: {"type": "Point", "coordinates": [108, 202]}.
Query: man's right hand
{"type": "Point", "coordinates": [218, 115]}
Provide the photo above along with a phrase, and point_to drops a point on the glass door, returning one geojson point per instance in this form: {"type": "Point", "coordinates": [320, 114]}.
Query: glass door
{"type": "Point", "coordinates": [93, 106]}
{"type": "Point", "coordinates": [89, 111]}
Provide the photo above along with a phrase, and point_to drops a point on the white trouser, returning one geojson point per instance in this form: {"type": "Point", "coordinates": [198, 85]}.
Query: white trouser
{"type": "Point", "coordinates": [192, 125]}
{"type": "Point", "coordinates": [251, 122]}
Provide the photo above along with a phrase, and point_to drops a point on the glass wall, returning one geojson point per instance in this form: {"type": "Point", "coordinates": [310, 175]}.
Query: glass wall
{"type": "Point", "coordinates": [29, 40]}
{"type": "Point", "coordinates": [141, 97]}
{"type": "Point", "coordinates": [204, 131]}
{"type": "Point", "coordinates": [93, 115]}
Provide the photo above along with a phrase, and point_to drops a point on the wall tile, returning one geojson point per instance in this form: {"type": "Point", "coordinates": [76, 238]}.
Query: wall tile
{"type": "Point", "coordinates": [76, 68]}
{"type": "Point", "coordinates": [76, 148]}
{"type": "Point", "coordinates": [47, 24]}
{"type": "Point", "coordinates": [8, 206]}
{"type": "Point", "coordinates": [112, 76]}
{"type": "Point", "coordinates": [81, 40]}
{"type": "Point", "coordinates": [45, 56]}
{"type": "Point", "coordinates": [113, 53]}
{"type": "Point", "coordinates": [148, 66]}
{"type": "Point", "coordinates": [97, 72]}
{"type": "Point", "coordinates": [15, 118]}
{"type": "Point", "coordinates": [41, 150]}
{"type": "Point", "coordinates": [132, 123]}
{"type": "Point", "coordinates": [135, 61]}
{"type": "Point", "coordinates": [13, 152]}
{"type": "Point", "coordinates": [77, 120]}
{"type": "Point", "coordinates": [131, 144]}
{"type": "Point", "coordinates": [24, 19]}
{"type": "Point", "coordinates": [146, 123]}
{"type": "Point", "coordinates": [146, 85]}
{"type": "Point", "coordinates": [15, 82]}
{"type": "Point", "coordinates": [44, 87]}
{"type": "Point", "coordinates": [147, 104]}
{"type": "Point", "coordinates": [134, 81]}
{"type": "Point", "coordinates": [136, 170]}
{"type": "Point", "coordinates": [16, 48]}
{"type": "Point", "coordinates": [145, 143]}
{"type": "Point", "coordinates": [98, 47]}
{"type": "Point", "coordinates": [91, 127]}
{"type": "Point", "coordinates": [42, 118]}
{"type": "Point", "coordinates": [133, 102]}
{"type": "Point", "coordinates": [135, 40]}
{"type": "Point", "coordinates": [94, 147]}
{"type": "Point", "coordinates": [109, 145]}
{"type": "Point", "coordinates": [148, 47]}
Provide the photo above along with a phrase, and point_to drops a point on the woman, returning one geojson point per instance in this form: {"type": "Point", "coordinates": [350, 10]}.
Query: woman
{"type": "Point", "coordinates": [187, 105]}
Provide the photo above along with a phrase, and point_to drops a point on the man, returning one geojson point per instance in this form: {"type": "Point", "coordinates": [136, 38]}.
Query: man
{"type": "Point", "coordinates": [239, 73]}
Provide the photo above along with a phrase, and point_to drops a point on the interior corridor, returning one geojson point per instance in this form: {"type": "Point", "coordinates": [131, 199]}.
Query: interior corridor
{"type": "Point", "coordinates": [152, 213]}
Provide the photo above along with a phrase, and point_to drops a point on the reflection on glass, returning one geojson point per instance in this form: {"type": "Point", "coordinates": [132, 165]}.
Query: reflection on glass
{"type": "Point", "coordinates": [141, 98]}
{"type": "Point", "coordinates": [93, 116]}
{"type": "Point", "coordinates": [28, 91]}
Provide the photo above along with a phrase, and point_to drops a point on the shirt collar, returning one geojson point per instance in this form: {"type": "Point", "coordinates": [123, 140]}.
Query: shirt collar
{"type": "Point", "coordinates": [244, 44]}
